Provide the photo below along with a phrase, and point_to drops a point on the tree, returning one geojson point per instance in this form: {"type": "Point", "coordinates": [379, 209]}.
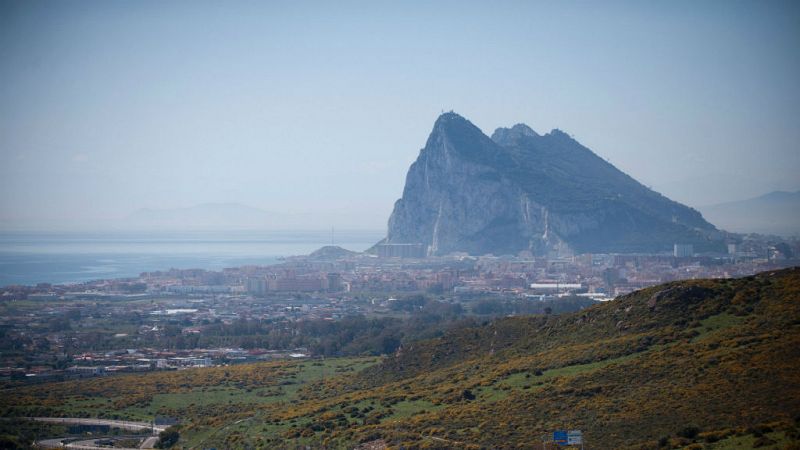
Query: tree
{"type": "Point", "coordinates": [468, 395]}
{"type": "Point", "coordinates": [389, 344]}
{"type": "Point", "coordinates": [486, 307]}
{"type": "Point", "coordinates": [168, 438]}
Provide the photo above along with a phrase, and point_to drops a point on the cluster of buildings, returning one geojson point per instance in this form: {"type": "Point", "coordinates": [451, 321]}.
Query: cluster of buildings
{"type": "Point", "coordinates": [53, 330]}
{"type": "Point", "coordinates": [96, 364]}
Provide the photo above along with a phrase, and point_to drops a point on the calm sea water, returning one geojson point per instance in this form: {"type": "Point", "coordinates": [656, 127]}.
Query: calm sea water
{"type": "Point", "coordinates": [30, 258]}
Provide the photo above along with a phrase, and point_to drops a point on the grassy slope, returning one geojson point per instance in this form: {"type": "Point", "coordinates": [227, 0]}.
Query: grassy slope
{"type": "Point", "coordinates": [715, 354]}
{"type": "Point", "coordinates": [718, 355]}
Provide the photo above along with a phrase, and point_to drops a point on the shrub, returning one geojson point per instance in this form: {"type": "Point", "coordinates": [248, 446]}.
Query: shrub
{"type": "Point", "coordinates": [689, 432]}
{"type": "Point", "coordinates": [763, 441]}
{"type": "Point", "coordinates": [168, 438]}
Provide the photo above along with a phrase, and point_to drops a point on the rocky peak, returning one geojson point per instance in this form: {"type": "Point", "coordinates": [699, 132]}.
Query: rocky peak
{"type": "Point", "coordinates": [451, 132]}
{"type": "Point", "coordinates": [507, 136]}
{"type": "Point", "coordinates": [449, 117]}
{"type": "Point", "coordinates": [558, 134]}
{"type": "Point", "coordinates": [452, 125]}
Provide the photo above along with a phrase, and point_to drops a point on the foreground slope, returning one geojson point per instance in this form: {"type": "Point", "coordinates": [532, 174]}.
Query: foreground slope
{"type": "Point", "coordinates": [686, 362]}
{"type": "Point", "coordinates": [715, 354]}
{"type": "Point", "coordinates": [522, 191]}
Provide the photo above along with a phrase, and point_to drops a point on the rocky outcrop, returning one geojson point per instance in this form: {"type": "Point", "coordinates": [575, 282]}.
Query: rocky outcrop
{"type": "Point", "coordinates": [519, 190]}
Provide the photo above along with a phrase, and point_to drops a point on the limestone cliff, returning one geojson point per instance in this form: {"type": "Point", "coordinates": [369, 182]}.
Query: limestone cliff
{"type": "Point", "coordinates": [521, 191]}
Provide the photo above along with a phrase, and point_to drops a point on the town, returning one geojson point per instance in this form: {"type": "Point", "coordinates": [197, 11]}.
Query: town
{"type": "Point", "coordinates": [302, 307]}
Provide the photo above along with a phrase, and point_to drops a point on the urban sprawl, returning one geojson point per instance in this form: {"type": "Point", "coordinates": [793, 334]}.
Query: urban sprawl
{"type": "Point", "coordinates": [115, 326]}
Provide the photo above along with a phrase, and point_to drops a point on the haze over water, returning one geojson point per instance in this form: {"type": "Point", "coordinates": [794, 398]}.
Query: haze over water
{"type": "Point", "coordinates": [30, 258]}
{"type": "Point", "coordinates": [320, 107]}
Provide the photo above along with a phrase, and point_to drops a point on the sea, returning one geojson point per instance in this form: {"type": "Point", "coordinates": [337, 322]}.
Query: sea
{"type": "Point", "coordinates": [28, 258]}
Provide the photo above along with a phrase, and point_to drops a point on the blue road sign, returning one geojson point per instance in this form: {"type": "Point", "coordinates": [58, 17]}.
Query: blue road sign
{"type": "Point", "coordinates": [560, 437]}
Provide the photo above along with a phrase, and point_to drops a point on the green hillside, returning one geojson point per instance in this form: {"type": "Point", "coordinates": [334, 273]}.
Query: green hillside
{"type": "Point", "coordinates": [705, 364]}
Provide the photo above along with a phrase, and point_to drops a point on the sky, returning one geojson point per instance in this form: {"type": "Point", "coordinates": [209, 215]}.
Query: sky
{"type": "Point", "coordinates": [318, 108]}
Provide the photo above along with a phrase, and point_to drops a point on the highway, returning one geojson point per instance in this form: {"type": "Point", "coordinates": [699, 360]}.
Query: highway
{"type": "Point", "coordinates": [78, 445]}
{"type": "Point", "coordinates": [121, 424]}
{"type": "Point", "coordinates": [149, 442]}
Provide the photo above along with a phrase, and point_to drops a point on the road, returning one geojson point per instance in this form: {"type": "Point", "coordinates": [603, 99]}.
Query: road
{"type": "Point", "coordinates": [149, 442]}
{"type": "Point", "coordinates": [78, 445]}
{"type": "Point", "coordinates": [121, 424]}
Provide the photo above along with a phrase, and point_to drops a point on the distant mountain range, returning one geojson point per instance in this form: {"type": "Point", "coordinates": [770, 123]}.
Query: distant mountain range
{"type": "Point", "coordinates": [519, 190]}
{"type": "Point", "coordinates": [773, 213]}
{"type": "Point", "coordinates": [229, 217]}
{"type": "Point", "coordinates": [201, 217]}
{"type": "Point", "coordinates": [204, 216]}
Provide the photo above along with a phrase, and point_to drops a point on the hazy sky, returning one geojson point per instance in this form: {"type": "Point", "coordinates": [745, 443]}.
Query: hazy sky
{"type": "Point", "coordinates": [111, 106]}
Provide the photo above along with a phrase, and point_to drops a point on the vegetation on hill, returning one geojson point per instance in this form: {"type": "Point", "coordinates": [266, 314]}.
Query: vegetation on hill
{"type": "Point", "coordinates": [699, 364]}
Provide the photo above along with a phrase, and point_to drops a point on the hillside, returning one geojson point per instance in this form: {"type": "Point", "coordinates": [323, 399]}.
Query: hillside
{"type": "Point", "coordinates": [709, 363]}
{"type": "Point", "coordinates": [519, 191]}
{"type": "Point", "coordinates": [715, 354]}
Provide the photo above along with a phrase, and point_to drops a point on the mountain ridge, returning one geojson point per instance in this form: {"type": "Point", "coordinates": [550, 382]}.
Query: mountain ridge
{"type": "Point", "coordinates": [201, 216]}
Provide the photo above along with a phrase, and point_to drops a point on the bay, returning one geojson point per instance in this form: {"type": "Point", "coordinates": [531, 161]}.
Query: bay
{"type": "Point", "coordinates": [69, 257]}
